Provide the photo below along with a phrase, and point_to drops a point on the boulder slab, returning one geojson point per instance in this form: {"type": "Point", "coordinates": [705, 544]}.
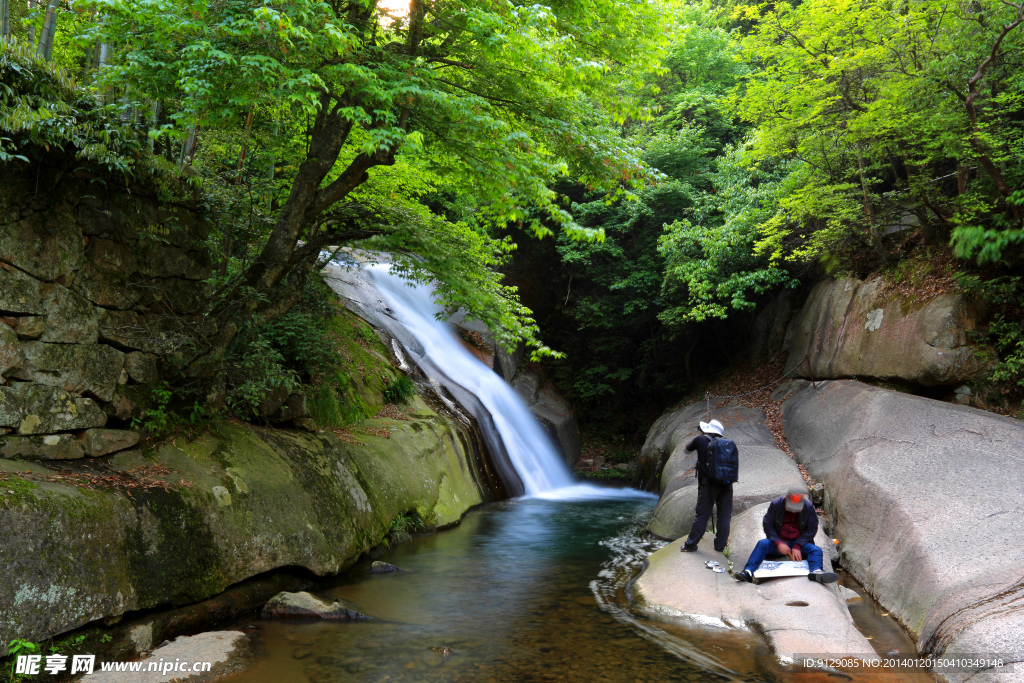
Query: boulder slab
{"type": "Point", "coordinates": [851, 328]}
{"type": "Point", "coordinates": [794, 614]}
{"type": "Point", "coordinates": [928, 502]}
{"type": "Point", "coordinates": [96, 442]}
{"type": "Point", "coordinates": [46, 447]}
{"type": "Point", "coordinates": [73, 555]}
{"type": "Point", "coordinates": [225, 651]}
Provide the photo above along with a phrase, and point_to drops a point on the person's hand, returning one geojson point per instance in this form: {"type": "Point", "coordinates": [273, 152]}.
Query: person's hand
{"type": "Point", "coordinates": [783, 548]}
{"type": "Point", "coordinates": [797, 556]}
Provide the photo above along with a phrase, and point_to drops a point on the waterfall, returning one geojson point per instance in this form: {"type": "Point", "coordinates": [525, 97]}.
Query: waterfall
{"type": "Point", "coordinates": [409, 313]}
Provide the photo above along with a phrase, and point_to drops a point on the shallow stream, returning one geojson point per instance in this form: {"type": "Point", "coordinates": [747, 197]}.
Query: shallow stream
{"type": "Point", "coordinates": [523, 590]}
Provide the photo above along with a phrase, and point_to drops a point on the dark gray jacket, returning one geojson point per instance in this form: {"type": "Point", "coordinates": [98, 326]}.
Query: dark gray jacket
{"type": "Point", "coordinates": [806, 519]}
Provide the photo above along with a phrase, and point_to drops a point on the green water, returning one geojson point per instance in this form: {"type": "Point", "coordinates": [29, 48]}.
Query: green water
{"type": "Point", "coordinates": [524, 590]}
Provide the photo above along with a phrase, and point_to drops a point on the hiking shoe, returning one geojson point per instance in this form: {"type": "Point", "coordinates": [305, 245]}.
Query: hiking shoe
{"type": "Point", "coordinates": [745, 576]}
{"type": "Point", "coordinates": [823, 576]}
{"type": "Point", "coordinates": [688, 549]}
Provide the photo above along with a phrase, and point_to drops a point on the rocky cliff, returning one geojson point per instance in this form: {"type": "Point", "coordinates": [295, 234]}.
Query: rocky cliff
{"type": "Point", "coordinates": [97, 283]}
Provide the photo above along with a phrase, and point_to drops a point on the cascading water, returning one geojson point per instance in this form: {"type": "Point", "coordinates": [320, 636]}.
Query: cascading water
{"type": "Point", "coordinates": [441, 356]}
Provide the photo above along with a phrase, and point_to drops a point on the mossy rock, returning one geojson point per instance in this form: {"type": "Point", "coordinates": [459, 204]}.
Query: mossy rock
{"type": "Point", "coordinates": [239, 501]}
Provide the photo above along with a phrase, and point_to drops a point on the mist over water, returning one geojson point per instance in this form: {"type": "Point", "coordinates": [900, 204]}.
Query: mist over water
{"type": "Point", "coordinates": [536, 459]}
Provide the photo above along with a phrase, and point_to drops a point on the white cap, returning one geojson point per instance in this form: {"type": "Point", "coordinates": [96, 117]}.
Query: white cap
{"type": "Point", "coordinates": [713, 427]}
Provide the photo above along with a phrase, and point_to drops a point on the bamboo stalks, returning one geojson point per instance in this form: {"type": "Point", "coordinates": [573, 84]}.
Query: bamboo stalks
{"type": "Point", "coordinates": [5, 19]}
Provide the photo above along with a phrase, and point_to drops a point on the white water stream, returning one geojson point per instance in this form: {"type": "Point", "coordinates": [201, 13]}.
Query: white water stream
{"type": "Point", "coordinates": [543, 471]}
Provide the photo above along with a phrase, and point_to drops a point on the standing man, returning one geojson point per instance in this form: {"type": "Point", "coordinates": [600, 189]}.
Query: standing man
{"type": "Point", "coordinates": [710, 492]}
{"type": "Point", "coordinates": [789, 526]}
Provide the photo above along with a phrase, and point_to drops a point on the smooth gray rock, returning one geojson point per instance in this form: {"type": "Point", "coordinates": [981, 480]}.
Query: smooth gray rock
{"type": "Point", "coordinates": [848, 328]}
{"type": "Point", "coordinates": [302, 605]}
{"type": "Point", "coordinates": [226, 651]}
{"type": "Point", "coordinates": [553, 410]}
{"type": "Point", "coordinates": [765, 471]}
{"type": "Point", "coordinates": [928, 500]}
{"type": "Point", "coordinates": [678, 585]}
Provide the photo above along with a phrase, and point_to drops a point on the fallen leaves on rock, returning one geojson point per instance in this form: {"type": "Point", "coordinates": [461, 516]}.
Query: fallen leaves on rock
{"type": "Point", "coordinates": [391, 412]}
{"type": "Point", "coordinates": [143, 478]}
{"type": "Point", "coordinates": [346, 436]}
{"type": "Point", "coordinates": [382, 432]}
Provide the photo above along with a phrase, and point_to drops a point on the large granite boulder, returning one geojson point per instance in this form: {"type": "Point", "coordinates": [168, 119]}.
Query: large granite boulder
{"type": "Point", "coordinates": [765, 471]}
{"type": "Point", "coordinates": [551, 408]}
{"type": "Point", "coordinates": [928, 502]}
{"type": "Point", "coordinates": [850, 328]}
{"type": "Point", "coordinates": [236, 502]}
{"type": "Point", "coordinates": [795, 615]}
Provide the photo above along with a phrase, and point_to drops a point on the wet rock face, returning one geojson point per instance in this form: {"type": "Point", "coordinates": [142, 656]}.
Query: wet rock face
{"type": "Point", "coordinates": [551, 409]}
{"type": "Point", "coordinates": [928, 499]}
{"type": "Point", "coordinates": [88, 302]}
{"type": "Point", "coordinates": [302, 605]}
{"type": "Point", "coordinates": [849, 328]}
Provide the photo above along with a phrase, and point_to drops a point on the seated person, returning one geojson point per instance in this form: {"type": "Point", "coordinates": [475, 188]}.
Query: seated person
{"type": "Point", "coordinates": [790, 525]}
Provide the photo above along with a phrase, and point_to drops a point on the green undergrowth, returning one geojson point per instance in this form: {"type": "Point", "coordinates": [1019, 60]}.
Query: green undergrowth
{"type": "Point", "coordinates": [362, 380]}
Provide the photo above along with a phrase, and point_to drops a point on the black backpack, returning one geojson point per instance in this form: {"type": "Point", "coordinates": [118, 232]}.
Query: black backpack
{"type": "Point", "coordinates": [723, 461]}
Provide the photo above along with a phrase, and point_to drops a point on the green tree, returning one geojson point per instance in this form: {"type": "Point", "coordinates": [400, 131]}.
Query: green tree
{"type": "Point", "coordinates": [893, 108]}
{"type": "Point", "coordinates": [500, 98]}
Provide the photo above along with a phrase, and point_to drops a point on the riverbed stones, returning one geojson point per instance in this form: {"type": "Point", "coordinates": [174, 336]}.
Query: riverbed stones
{"type": "Point", "coordinates": [379, 567]}
{"type": "Point", "coordinates": [928, 499]}
{"type": "Point", "coordinates": [852, 328]}
{"type": "Point", "coordinates": [303, 605]}
{"type": "Point", "coordinates": [765, 471]}
{"type": "Point", "coordinates": [225, 651]}
{"type": "Point", "coordinates": [96, 442]}
{"type": "Point", "coordinates": [794, 614]}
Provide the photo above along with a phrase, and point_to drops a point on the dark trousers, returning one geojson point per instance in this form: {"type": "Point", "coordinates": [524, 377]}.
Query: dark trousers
{"type": "Point", "coordinates": [766, 548]}
{"type": "Point", "coordinates": [720, 496]}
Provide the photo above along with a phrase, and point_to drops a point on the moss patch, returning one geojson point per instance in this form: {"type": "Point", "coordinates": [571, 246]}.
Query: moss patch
{"type": "Point", "coordinates": [356, 391]}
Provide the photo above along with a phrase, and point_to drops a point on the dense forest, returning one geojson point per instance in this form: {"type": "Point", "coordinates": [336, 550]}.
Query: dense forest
{"type": "Point", "coordinates": [659, 169]}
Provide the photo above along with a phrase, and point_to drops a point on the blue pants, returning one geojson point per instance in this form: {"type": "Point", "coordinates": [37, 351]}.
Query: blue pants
{"type": "Point", "coordinates": [766, 548]}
